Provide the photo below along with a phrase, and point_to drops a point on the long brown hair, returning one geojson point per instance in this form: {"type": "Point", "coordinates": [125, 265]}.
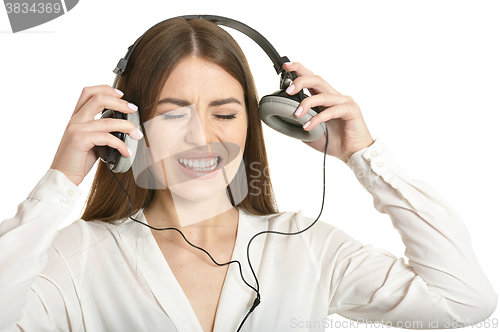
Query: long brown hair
{"type": "Point", "coordinates": [150, 65]}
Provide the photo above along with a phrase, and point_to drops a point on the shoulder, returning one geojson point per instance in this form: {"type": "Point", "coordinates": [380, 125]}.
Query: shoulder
{"type": "Point", "coordinates": [294, 222]}
{"type": "Point", "coordinates": [324, 245]}
{"type": "Point", "coordinates": [82, 236]}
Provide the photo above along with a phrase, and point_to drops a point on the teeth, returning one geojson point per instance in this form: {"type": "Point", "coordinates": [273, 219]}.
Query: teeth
{"type": "Point", "coordinates": [205, 164]}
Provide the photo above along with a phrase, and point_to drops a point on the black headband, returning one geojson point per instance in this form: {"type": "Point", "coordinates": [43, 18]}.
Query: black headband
{"type": "Point", "coordinates": [271, 52]}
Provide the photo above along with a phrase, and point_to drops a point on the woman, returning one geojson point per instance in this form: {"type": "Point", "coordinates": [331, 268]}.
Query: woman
{"type": "Point", "coordinates": [107, 272]}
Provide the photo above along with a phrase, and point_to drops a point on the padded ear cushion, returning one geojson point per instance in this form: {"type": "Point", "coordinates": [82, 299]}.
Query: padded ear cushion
{"type": "Point", "coordinates": [278, 113]}
{"type": "Point", "coordinates": [124, 163]}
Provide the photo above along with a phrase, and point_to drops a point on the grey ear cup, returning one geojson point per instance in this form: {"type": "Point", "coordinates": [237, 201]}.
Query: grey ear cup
{"type": "Point", "coordinates": [277, 112]}
{"type": "Point", "coordinates": [124, 163]}
{"type": "Point", "coordinates": [117, 162]}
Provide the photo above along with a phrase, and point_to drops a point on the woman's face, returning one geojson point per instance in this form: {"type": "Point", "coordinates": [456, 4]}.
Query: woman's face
{"type": "Point", "coordinates": [197, 136]}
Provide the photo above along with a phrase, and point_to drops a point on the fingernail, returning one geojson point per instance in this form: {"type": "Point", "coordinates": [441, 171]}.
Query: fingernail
{"type": "Point", "coordinates": [290, 89]}
{"type": "Point", "coordinates": [129, 151]}
{"type": "Point", "coordinates": [119, 92]}
{"type": "Point", "coordinates": [133, 107]}
{"type": "Point", "coordinates": [298, 111]}
{"type": "Point", "coordinates": [288, 63]}
{"type": "Point", "coordinates": [306, 124]}
{"type": "Point", "coordinates": [136, 134]}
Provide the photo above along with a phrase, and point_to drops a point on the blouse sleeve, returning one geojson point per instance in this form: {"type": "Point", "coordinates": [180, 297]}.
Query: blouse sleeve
{"type": "Point", "coordinates": [441, 286]}
{"type": "Point", "coordinates": [29, 299]}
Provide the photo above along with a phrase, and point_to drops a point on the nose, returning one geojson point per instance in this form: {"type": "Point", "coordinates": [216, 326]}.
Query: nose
{"type": "Point", "coordinates": [200, 131]}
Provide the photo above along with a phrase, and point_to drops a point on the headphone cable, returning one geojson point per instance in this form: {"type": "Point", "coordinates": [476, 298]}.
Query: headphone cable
{"type": "Point", "coordinates": [257, 299]}
{"type": "Point", "coordinates": [257, 288]}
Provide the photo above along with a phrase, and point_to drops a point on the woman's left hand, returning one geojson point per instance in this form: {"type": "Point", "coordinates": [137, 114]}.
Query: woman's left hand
{"type": "Point", "coordinates": [347, 129]}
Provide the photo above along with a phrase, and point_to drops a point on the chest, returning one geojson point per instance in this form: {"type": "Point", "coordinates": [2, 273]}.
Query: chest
{"type": "Point", "coordinates": [200, 279]}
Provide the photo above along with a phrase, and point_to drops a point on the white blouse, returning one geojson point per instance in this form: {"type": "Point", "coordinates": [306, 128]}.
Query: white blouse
{"type": "Point", "coordinates": [95, 276]}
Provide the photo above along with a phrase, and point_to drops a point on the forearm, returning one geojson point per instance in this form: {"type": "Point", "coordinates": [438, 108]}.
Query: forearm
{"type": "Point", "coordinates": [437, 241]}
{"type": "Point", "coordinates": [25, 239]}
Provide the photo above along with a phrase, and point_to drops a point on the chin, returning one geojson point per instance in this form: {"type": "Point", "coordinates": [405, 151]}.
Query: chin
{"type": "Point", "coordinates": [199, 191]}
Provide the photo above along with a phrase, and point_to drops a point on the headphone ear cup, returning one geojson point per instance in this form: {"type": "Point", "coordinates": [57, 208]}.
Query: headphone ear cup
{"type": "Point", "coordinates": [119, 163]}
{"type": "Point", "coordinates": [124, 163]}
{"type": "Point", "coordinates": [277, 111]}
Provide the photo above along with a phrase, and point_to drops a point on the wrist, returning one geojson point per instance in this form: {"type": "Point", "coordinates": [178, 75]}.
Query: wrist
{"type": "Point", "coordinates": [359, 147]}
{"type": "Point", "coordinates": [76, 180]}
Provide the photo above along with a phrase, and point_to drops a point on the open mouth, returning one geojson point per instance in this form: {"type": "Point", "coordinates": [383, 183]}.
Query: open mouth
{"type": "Point", "coordinates": [200, 164]}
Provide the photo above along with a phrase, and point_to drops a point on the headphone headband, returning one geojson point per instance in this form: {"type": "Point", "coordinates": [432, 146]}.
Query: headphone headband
{"type": "Point", "coordinates": [276, 109]}
{"type": "Point", "coordinates": [266, 46]}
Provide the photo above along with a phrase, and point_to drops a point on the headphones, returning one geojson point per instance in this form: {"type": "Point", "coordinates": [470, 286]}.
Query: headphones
{"type": "Point", "coordinates": [276, 109]}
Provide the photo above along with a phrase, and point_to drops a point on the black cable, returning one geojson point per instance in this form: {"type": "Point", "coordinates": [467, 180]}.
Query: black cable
{"type": "Point", "coordinates": [173, 228]}
{"type": "Point", "coordinates": [257, 299]}
{"type": "Point", "coordinates": [256, 290]}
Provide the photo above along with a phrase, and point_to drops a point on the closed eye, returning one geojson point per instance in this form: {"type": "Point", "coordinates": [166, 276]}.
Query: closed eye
{"type": "Point", "coordinates": [172, 116]}
{"type": "Point", "coordinates": [225, 116]}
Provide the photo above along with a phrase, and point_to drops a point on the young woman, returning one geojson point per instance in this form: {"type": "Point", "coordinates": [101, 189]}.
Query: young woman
{"type": "Point", "coordinates": [199, 112]}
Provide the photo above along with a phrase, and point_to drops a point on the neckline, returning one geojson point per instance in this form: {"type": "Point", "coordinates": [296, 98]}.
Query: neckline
{"type": "Point", "coordinates": [236, 297]}
{"type": "Point", "coordinates": [180, 310]}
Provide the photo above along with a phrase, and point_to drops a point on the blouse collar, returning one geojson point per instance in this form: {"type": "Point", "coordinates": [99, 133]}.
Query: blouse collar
{"type": "Point", "coordinates": [236, 297]}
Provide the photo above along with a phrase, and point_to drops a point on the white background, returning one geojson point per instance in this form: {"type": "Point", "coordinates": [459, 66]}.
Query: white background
{"type": "Point", "coordinates": [425, 74]}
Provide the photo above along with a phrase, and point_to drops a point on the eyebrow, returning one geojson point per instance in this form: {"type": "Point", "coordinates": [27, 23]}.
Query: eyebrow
{"type": "Point", "coordinates": [221, 102]}
{"type": "Point", "coordinates": [184, 103]}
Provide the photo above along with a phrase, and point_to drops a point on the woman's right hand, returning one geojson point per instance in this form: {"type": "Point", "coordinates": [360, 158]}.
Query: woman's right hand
{"type": "Point", "coordinates": [76, 153]}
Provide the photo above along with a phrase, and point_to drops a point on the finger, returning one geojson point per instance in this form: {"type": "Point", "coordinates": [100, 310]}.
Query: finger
{"type": "Point", "coordinates": [89, 91]}
{"type": "Point", "coordinates": [111, 125]}
{"type": "Point", "coordinates": [311, 82]}
{"type": "Point", "coordinates": [324, 100]}
{"type": "Point", "coordinates": [97, 103]}
{"type": "Point", "coordinates": [102, 139]}
{"type": "Point", "coordinates": [298, 68]}
{"type": "Point", "coordinates": [343, 111]}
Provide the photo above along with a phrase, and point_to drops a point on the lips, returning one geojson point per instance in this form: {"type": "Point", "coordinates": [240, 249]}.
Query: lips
{"type": "Point", "coordinates": [198, 155]}
{"type": "Point", "coordinates": [195, 164]}
{"type": "Point", "coordinates": [200, 164]}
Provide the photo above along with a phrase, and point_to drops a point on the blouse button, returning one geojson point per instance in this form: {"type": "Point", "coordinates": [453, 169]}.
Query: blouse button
{"type": "Point", "coordinates": [380, 164]}
{"type": "Point", "coordinates": [373, 154]}
{"type": "Point", "coordinates": [64, 201]}
{"type": "Point", "coordinates": [71, 193]}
